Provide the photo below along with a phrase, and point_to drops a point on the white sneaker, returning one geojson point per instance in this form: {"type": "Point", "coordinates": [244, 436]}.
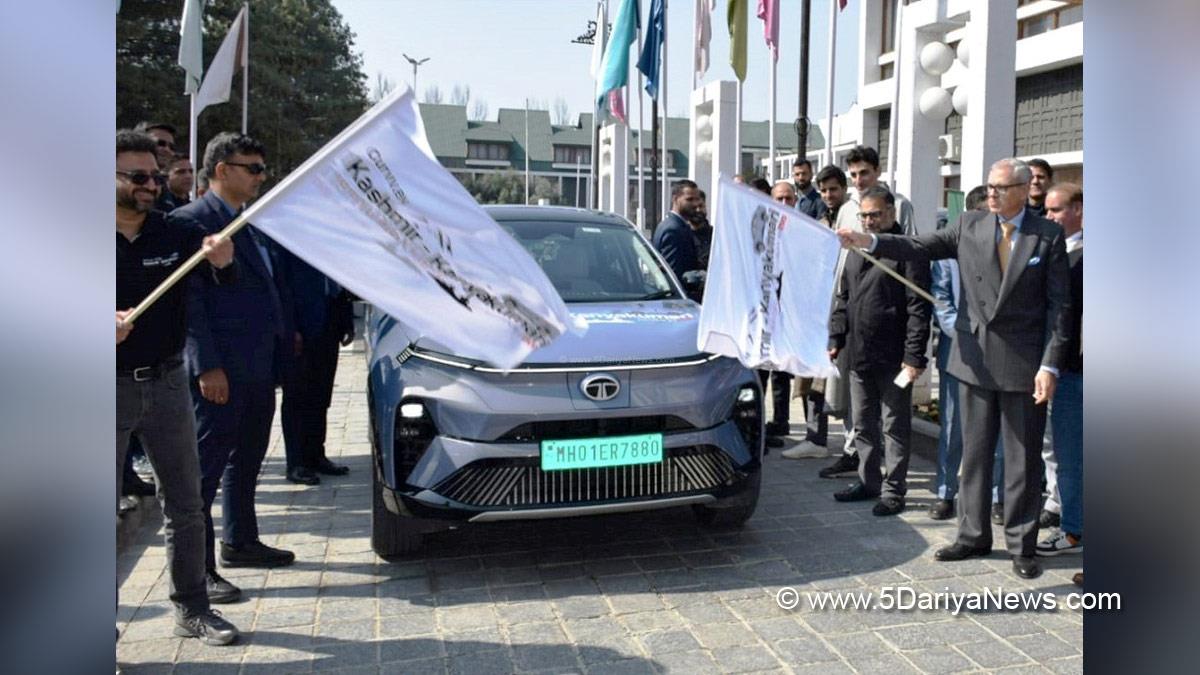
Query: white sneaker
{"type": "Point", "coordinates": [806, 450]}
{"type": "Point", "coordinates": [1059, 542]}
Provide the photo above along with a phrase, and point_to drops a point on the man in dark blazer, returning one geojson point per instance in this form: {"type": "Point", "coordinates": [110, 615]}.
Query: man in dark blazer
{"type": "Point", "coordinates": [673, 238]}
{"type": "Point", "coordinates": [1010, 341]}
{"type": "Point", "coordinates": [883, 327]}
{"type": "Point", "coordinates": [324, 319]}
{"type": "Point", "coordinates": [239, 343]}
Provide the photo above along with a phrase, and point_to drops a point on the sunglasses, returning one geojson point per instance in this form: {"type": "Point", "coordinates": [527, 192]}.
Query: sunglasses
{"type": "Point", "coordinates": [141, 177]}
{"type": "Point", "coordinates": [253, 169]}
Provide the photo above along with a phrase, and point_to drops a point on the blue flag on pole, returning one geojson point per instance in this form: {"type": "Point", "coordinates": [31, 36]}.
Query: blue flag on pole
{"type": "Point", "coordinates": [652, 48]}
{"type": "Point", "coordinates": [614, 67]}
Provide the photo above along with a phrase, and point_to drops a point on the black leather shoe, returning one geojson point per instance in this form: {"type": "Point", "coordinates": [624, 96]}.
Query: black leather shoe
{"type": "Point", "coordinates": [302, 476]}
{"type": "Point", "coordinates": [220, 591]}
{"type": "Point", "coordinates": [957, 551]}
{"type": "Point", "coordinates": [942, 509]}
{"type": "Point", "coordinates": [778, 428]}
{"type": "Point", "coordinates": [330, 469]}
{"type": "Point", "coordinates": [1049, 519]}
{"type": "Point", "coordinates": [844, 464]}
{"type": "Point", "coordinates": [209, 626]}
{"type": "Point", "coordinates": [255, 554]}
{"type": "Point", "coordinates": [998, 513]}
{"type": "Point", "coordinates": [888, 506]}
{"type": "Point", "coordinates": [856, 493]}
{"type": "Point", "coordinates": [1026, 566]}
{"type": "Point", "coordinates": [774, 442]}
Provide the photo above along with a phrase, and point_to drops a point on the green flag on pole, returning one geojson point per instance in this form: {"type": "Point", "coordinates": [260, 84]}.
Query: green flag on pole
{"type": "Point", "coordinates": [736, 10]}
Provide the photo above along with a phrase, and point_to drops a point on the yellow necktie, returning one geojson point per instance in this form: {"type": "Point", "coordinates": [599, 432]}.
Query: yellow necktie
{"type": "Point", "coordinates": [1004, 246]}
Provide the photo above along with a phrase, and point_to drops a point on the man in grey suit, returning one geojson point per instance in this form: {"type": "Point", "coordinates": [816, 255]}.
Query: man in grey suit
{"type": "Point", "coordinates": [1010, 341]}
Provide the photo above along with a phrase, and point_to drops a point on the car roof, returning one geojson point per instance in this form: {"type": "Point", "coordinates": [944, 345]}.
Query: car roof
{"type": "Point", "coordinates": [502, 213]}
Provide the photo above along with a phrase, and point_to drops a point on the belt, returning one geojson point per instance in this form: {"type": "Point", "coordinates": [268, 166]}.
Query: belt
{"type": "Point", "coordinates": [147, 373]}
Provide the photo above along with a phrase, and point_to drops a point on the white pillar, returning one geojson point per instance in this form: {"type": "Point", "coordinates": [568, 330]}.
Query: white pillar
{"type": "Point", "coordinates": [614, 169]}
{"type": "Point", "coordinates": [915, 168]}
{"type": "Point", "coordinates": [989, 130]}
{"type": "Point", "coordinates": [717, 101]}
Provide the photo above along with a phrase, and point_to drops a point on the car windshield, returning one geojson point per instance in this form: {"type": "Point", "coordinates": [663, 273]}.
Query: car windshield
{"type": "Point", "coordinates": [593, 262]}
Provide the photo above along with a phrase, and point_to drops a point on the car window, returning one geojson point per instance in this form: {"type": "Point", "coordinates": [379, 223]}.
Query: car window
{"type": "Point", "coordinates": [593, 262]}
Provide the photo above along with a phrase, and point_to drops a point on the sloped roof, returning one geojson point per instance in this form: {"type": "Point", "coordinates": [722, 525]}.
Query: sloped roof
{"type": "Point", "coordinates": [445, 126]}
{"type": "Point", "coordinates": [513, 121]}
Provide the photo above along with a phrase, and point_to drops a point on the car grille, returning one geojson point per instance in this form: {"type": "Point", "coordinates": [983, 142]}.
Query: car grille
{"type": "Point", "coordinates": [532, 432]}
{"type": "Point", "coordinates": [521, 482]}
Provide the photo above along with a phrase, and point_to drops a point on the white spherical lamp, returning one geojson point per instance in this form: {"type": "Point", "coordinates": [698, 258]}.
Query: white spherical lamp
{"type": "Point", "coordinates": [704, 125]}
{"type": "Point", "coordinates": [960, 100]}
{"type": "Point", "coordinates": [705, 150]}
{"type": "Point", "coordinates": [935, 103]}
{"type": "Point", "coordinates": [936, 58]}
{"type": "Point", "coordinates": [964, 53]}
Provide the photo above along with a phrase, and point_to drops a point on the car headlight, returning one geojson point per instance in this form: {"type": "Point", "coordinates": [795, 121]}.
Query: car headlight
{"type": "Point", "coordinates": [748, 416]}
{"type": "Point", "coordinates": [414, 431]}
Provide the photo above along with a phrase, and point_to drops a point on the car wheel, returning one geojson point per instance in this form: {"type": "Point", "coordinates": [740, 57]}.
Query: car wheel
{"type": "Point", "coordinates": [735, 514]}
{"type": "Point", "coordinates": [391, 535]}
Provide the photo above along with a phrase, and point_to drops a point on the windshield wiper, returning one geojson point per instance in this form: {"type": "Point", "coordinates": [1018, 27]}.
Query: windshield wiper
{"type": "Point", "coordinates": [659, 295]}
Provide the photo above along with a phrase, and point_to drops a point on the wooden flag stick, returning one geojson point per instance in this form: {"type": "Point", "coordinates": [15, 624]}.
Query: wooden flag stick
{"type": "Point", "coordinates": [183, 270]}
{"type": "Point", "coordinates": [894, 274]}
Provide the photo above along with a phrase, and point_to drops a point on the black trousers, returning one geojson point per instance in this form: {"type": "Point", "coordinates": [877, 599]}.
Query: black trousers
{"type": "Point", "coordinates": [1020, 424]}
{"type": "Point", "coordinates": [781, 394]}
{"type": "Point", "coordinates": [883, 421]}
{"type": "Point", "coordinates": [306, 396]}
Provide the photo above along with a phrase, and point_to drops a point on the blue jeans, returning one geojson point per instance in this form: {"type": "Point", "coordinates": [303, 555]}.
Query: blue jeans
{"type": "Point", "coordinates": [950, 444]}
{"type": "Point", "coordinates": [1066, 422]}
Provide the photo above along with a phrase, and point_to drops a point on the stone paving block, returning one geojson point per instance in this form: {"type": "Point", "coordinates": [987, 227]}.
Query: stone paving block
{"type": "Point", "coordinates": [417, 604]}
{"type": "Point", "coordinates": [608, 648]}
{"type": "Point", "coordinates": [635, 602]}
{"type": "Point", "coordinates": [939, 660]}
{"type": "Point", "coordinates": [644, 622]}
{"type": "Point", "coordinates": [1043, 647]}
{"type": "Point", "coordinates": [270, 660]}
{"type": "Point", "coordinates": [745, 659]}
{"type": "Point", "coordinates": [526, 612]}
{"type": "Point", "coordinates": [476, 640]}
{"type": "Point", "coordinates": [892, 664]}
{"type": "Point", "coordinates": [992, 654]}
{"type": "Point", "coordinates": [413, 648]}
{"type": "Point", "coordinates": [558, 657]}
{"type": "Point", "coordinates": [341, 609]}
{"type": "Point", "coordinates": [666, 641]}
{"type": "Point", "coordinates": [802, 650]}
{"type": "Point", "coordinates": [452, 619]}
{"type": "Point", "coordinates": [687, 663]}
{"type": "Point", "coordinates": [481, 663]}
{"type": "Point", "coordinates": [361, 629]}
{"type": "Point", "coordinates": [1006, 624]}
{"type": "Point", "coordinates": [581, 607]}
{"type": "Point", "coordinates": [705, 613]}
{"type": "Point", "coordinates": [346, 655]}
{"type": "Point", "coordinates": [623, 667]}
{"type": "Point", "coordinates": [402, 625]}
{"type": "Point", "coordinates": [718, 635]}
{"type": "Point", "coordinates": [778, 628]}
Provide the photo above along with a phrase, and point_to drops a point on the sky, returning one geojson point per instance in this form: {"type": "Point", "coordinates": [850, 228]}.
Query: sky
{"type": "Point", "coordinates": [510, 50]}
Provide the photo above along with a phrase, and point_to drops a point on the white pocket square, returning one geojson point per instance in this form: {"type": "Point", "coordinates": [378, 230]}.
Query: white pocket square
{"type": "Point", "coordinates": [1034, 260]}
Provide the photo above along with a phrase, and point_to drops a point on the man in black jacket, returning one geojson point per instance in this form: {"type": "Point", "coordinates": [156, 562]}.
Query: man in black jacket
{"type": "Point", "coordinates": [884, 328]}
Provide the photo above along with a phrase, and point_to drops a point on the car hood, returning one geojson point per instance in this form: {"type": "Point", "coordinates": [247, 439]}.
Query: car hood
{"type": "Point", "coordinates": [618, 332]}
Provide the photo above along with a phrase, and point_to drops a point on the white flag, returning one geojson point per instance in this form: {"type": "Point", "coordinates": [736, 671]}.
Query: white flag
{"type": "Point", "coordinates": [191, 45]}
{"type": "Point", "coordinates": [703, 35]}
{"type": "Point", "coordinates": [375, 211]}
{"type": "Point", "coordinates": [770, 284]}
{"type": "Point", "coordinates": [599, 42]}
{"type": "Point", "coordinates": [229, 58]}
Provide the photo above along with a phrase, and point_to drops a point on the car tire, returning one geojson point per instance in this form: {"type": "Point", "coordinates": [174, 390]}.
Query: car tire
{"type": "Point", "coordinates": [391, 535]}
{"type": "Point", "coordinates": [736, 514]}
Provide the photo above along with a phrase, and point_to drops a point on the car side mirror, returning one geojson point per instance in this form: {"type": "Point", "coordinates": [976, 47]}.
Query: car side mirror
{"type": "Point", "coordinates": [693, 283]}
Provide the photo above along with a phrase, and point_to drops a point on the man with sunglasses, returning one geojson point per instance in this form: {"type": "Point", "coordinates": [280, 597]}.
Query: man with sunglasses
{"type": "Point", "coordinates": [240, 342]}
{"type": "Point", "coordinates": [1011, 339]}
{"type": "Point", "coordinates": [164, 141]}
{"type": "Point", "coordinates": [153, 402]}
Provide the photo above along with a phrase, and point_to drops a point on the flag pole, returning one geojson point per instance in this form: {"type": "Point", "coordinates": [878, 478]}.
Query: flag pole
{"type": "Point", "coordinates": [737, 132]}
{"type": "Point", "coordinates": [666, 186]}
{"type": "Point", "coordinates": [192, 140]}
{"type": "Point", "coordinates": [894, 117]}
{"type": "Point", "coordinates": [895, 275]}
{"type": "Point", "coordinates": [695, 43]}
{"type": "Point", "coordinates": [641, 155]}
{"type": "Point", "coordinates": [245, 72]}
{"type": "Point", "coordinates": [771, 131]}
{"type": "Point", "coordinates": [833, 14]}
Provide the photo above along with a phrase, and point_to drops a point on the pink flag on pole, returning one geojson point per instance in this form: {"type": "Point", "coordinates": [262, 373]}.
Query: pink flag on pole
{"type": "Point", "coordinates": [616, 105]}
{"type": "Point", "coordinates": [768, 11]}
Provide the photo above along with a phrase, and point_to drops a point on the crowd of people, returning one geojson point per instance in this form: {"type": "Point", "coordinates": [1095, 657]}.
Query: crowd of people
{"type": "Point", "coordinates": [198, 370]}
{"type": "Point", "coordinates": [1007, 284]}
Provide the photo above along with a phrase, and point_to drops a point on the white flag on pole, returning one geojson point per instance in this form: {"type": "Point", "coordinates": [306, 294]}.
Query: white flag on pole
{"type": "Point", "coordinates": [220, 72]}
{"type": "Point", "coordinates": [770, 283]}
{"type": "Point", "coordinates": [191, 45]}
{"type": "Point", "coordinates": [376, 212]}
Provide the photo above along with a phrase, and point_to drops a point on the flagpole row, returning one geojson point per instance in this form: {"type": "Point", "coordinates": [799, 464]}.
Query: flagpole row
{"type": "Point", "coordinates": [183, 270]}
{"type": "Point", "coordinates": [245, 73]}
{"type": "Point", "coordinates": [895, 275]}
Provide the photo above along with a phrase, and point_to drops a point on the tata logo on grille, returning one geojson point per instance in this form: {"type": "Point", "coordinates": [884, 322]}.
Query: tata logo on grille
{"type": "Point", "coordinates": [600, 387]}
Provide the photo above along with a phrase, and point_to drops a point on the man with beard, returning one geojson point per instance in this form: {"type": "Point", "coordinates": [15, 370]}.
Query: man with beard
{"type": "Point", "coordinates": [179, 184]}
{"type": "Point", "coordinates": [153, 403]}
{"type": "Point", "coordinates": [673, 238]}
{"type": "Point", "coordinates": [808, 200]}
{"type": "Point", "coordinates": [1043, 178]}
{"type": "Point", "coordinates": [702, 230]}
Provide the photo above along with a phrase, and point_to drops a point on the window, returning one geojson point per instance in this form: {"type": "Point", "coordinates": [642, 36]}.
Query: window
{"type": "Point", "coordinates": [1042, 23]}
{"type": "Point", "coordinates": [494, 151]}
{"type": "Point", "coordinates": [572, 154]}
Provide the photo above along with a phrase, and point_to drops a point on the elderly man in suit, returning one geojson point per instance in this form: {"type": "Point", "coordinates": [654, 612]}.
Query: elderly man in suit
{"type": "Point", "coordinates": [240, 340]}
{"type": "Point", "coordinates": [1011, 338]}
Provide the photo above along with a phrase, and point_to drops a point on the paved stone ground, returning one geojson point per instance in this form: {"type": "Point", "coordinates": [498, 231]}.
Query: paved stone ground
{"type": "Point", "coordinates": [639, 593]}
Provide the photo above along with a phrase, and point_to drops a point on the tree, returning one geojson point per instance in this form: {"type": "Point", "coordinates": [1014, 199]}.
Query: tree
{"type": "Point", "coordinates": [306, 82]}
{"type": "Point", "coordinates": [433, 94]}
{"type": "Point", "coordinates": [479, 110]}
{"type": "Point", "coordinates": [460, 95]}
{"type": "Point", "coordinates": [508, 187]}
{"type": "Point", "coordinates": [383, 86]}
{"type": "Point", "coordinates": [562, 113]}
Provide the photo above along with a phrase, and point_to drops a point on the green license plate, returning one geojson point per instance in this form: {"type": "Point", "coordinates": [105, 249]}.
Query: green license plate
{"type": "Point", "coordinates": [590, 453]}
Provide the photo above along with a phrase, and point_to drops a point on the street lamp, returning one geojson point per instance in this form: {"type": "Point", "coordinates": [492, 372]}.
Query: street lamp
{"type": "Point", "coordinates": [415, 63]}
